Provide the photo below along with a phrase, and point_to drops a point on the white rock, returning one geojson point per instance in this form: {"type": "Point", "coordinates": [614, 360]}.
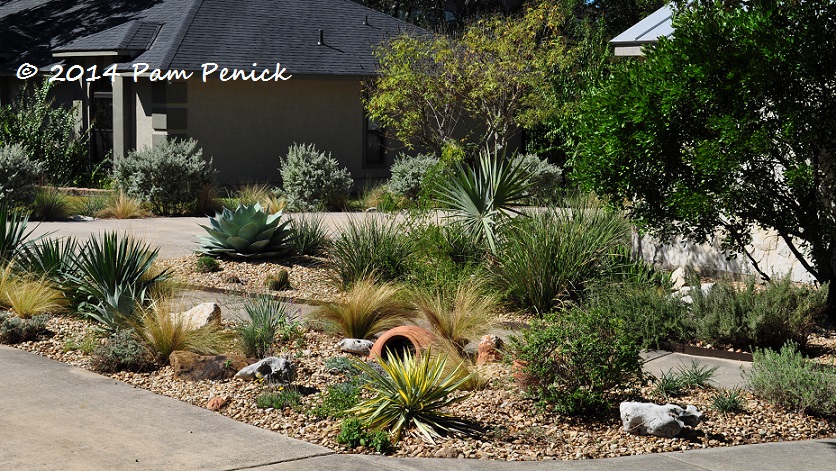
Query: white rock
{"type": "Point", "coordinates": [645, 418]}
{"type": "Point", "coordinates": [278, 369]}
{"type": "Point", "coordinates": [201, 315]}
{"type": "Point", "coordinates": [678, 278]}
{"type": "Point", "coordinates": [356, 346]}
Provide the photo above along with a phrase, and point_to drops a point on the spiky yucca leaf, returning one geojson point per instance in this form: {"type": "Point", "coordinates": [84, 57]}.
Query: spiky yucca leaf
{"type": "Point", "coordinates": [370, 308]}
{"type": "Point", "coordinates": [248, 232]}
{"type": "Point", "coordinates": [12, 232]}
{"type": "Point", "coordinates": [412, 391]}
{"type": "Point", "coordinates": [48, 257]}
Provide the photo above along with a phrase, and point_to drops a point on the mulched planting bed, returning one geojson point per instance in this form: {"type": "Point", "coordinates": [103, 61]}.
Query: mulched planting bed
{"type": "Point", "coordinates": [513, 428]}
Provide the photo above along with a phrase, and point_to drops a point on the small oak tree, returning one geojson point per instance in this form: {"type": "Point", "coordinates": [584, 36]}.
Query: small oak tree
{"type": "Point", "coordinates": [726, 126]}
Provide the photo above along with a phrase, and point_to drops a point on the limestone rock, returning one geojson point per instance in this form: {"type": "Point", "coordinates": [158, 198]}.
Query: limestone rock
{"type": "Point", "coordinates": [278, 369]}
{"type": "Point", "coordinates": [194, 367]}
{"type": "Point", "coordinates": [488, 351]}
{"type": "Point", "coordinates": [678, 278]}
{"type": "Point", "coordinates": [217, 403]}
{"type": "Point", "coordinates": [645, 418]}
{"type": "Point", "coordinates": [356, 346]}
{"type": "Point", "coordinates": [202, 315]}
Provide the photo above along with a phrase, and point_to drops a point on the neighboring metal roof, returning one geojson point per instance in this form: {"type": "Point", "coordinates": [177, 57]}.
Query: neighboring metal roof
{"type": "Point", "coordinates": [184, 34]}
{"type": "Point", "coordinates": [647, 31]}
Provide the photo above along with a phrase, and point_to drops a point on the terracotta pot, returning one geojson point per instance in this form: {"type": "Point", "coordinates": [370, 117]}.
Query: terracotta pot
{"type": "Point", "coordinates": [406, 337]}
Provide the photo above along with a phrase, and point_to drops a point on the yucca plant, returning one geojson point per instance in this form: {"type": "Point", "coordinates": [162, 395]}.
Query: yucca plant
{"type": "Point", "coordinates": [370, 308]}
{"type": "Point", "coordinates": [467, 316]}
{"type": "Point", "coordinates": [51, 258]}
{"type": "Point", "coordinates": [482, 199]}
{"type": "Point", "coordinates": [13, 234]}
{"type": "Point", "coordinates": [266, 318]}
{"type": "Point", "coordinates": [412, 390]}
{"type": "Point", "coordinates": [110, 275]}
{"type": "Point", "coordinates": [28, 298]}
{"type": "Point", "coordinates": [164, 332]}
{"type": "Point", "coordinates": [247, 232]}
{"type": "Point", "coordinates": [50, 204]}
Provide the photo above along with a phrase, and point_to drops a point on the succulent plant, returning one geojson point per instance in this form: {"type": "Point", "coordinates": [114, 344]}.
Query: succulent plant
{"type": "Point", "coordinates": [247, 232]}
{"type": "Point", "coordinates": [279, 281]}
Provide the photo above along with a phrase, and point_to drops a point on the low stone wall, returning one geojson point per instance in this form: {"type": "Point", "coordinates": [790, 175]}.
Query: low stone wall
{"type": "Point", "coordinates": [767, 248]}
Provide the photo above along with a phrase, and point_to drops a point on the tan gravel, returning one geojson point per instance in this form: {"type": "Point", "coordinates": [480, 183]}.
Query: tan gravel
{"type": "Point", "coordinates": [513, 428]}
{"type": "Point", "coordinates": [309, 279]}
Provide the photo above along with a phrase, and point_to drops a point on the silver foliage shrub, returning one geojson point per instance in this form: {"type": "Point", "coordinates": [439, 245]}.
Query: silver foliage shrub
{"type": "Point", "coordinates": [544, 178]}
{"type": "Point", "coordinates": [169, 176]}
{"type": "Point", "coordinates": [312, 180]}
{"type": "Point", "coordinates": [407, 173]}
{"type": "Point", "coordinates": [18, 176]}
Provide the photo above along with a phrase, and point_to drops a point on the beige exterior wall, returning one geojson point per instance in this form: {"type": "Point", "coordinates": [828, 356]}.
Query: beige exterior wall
{"type": "Point", "coordinates": [245, 126]}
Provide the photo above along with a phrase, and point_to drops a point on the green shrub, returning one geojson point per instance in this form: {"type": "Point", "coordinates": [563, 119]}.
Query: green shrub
{"type": "Point", "coordinates": [750, 318]}
{"type": "Point", "coordinates": [15, 330]}
{"type": "Point", "coordinates": [432, 182]}
{"type": "Point", "coordinates": [268, 320]}
{"type": "Point", "coordinates": [247, 232]}
{"type": "Point", "coordinates": [412, 391]}
{"type": "Point", "coordinates": [788, 379]}
{"type": "Point", "coordinates": [310, 236]}
{"type": "Point", "coordinates": [18, 176]}
{"type": "Point", "coordinates": [553, 254]}
{"type": "Point", "coordinates": [575, 357]}
{"type": "Point", "coordinates": [342, 365]}
{"type": "Point", "coordinates": [545, 180]}
{"type": "Point", "coordinates": [48, 133]}
{"type": "Point", "coordinates": [408, 172]}
{"type": "Point", "coordinates": [169, 176]}
{"type": "Point", "coordinates": [207, 264]}
{"type": "Point", "coordinates": [354, 433]}
{"type": "Point", "coordinates": [121, 352]}
{"type": "Point", "coordinates": [312, 180]}
{"type": "Point", "coordinates": [111, 277]}
{"type": "Point", "coordinates": [648, 311]}
{"type": "Point", "coordinates": [370, 246]}
{"type": "Point", "coordinates": [338, 398]}
{"type": "Point", "coordinates": [280, 398]}
{"type": "Point", "coordinates": [88, 205]}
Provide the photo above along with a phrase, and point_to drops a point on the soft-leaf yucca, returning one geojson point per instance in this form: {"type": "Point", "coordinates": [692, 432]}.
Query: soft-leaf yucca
{"type": "Point", "coordinates": [413, 390]}
{"type": "Point", "coordinates": [51, 258]}
{"type": "Point", "coordinates": [12, 232]}
{"type": "Point", "coordinates": [370, 307]}
{"type": "Point", "coordinates": [465, 317]}
{"type": "Point", "coordinates": [482, 199]}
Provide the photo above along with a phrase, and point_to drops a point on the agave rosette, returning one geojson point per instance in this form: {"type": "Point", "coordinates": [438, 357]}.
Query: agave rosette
{"type": "Point", "coordinates": [247, 232]}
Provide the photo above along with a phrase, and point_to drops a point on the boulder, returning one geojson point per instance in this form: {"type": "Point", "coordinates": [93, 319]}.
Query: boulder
{"type": "Point", "coordinates": [645, 418]}
{"type": "Point", "coordinates": [277, 369]}
{"type": "Point", "coordinates": [488, 351]}
{"type": "Point", "coordinates": [202, 315]}
{"type": "Point", "coordinates": [194, 367]}
{"type": "Point", "coordinates": [217, 403]}
{"type": "Point", "coordinates": [678, 278]}
{"type": "Point", "coordinates": [356, 346]}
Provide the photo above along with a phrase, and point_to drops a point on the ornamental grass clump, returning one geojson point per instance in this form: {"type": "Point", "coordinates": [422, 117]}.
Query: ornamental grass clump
{"type": "Point", "coordinates": [310, 236]}
{"type": "Point", "coordinates": [550, 256]}
{"type": "Point", "coordinates": [248, 232]}
{"type": "Point", "coordinates": [370, 307]}
{"type": "Point", "coordinates": [30, 297]}
{"type": "Point", "coordinates": [164, 332]}
{"type": "Point", "coordinates": [370, 246]}
{"type": "Point", "coordinates": [412, 391]}
{"type": "Point", "coordinates": [465, 317]}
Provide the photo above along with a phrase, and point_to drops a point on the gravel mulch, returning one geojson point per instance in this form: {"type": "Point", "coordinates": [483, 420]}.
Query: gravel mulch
{"type": "Point", "coordinates": [513, 428]}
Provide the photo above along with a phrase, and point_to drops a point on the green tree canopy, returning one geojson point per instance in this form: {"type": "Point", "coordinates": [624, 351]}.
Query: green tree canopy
{"type": "Point", "coordinates": [726, 126]}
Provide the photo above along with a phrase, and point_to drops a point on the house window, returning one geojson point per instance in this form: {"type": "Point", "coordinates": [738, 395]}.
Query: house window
{"type": "Point", "coordinates": [375, 143]}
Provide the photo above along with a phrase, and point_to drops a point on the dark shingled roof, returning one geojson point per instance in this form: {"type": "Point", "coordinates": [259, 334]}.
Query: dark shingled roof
{"type": "Point", "coordinates": [184, 34]}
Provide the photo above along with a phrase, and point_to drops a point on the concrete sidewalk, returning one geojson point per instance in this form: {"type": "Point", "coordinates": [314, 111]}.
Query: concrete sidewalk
{"type": "Point", "coordinates": [55, 416]}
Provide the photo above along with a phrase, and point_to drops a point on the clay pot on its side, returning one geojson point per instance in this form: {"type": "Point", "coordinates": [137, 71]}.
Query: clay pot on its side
{"type": "Point", "coordinates": [406, 337]}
